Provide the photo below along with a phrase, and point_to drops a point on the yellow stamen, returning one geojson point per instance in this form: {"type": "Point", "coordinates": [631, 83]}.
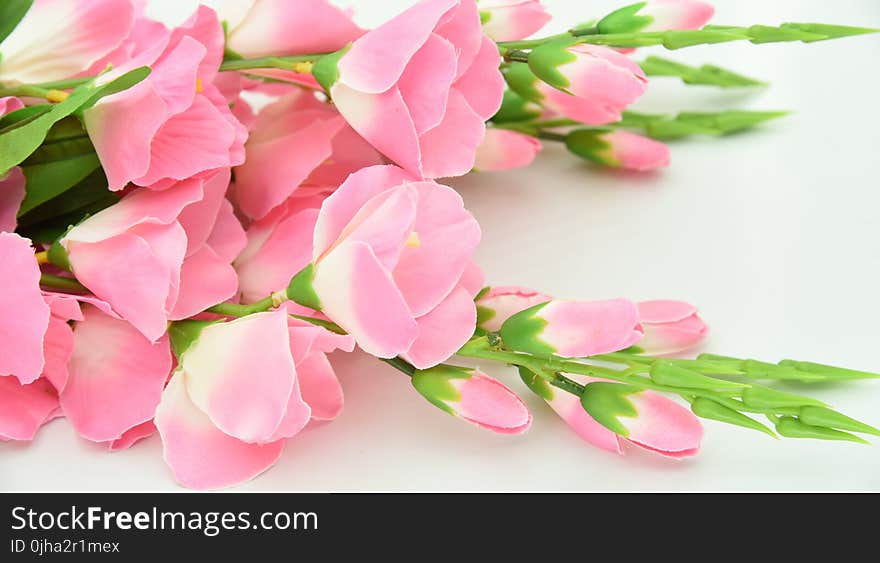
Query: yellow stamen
{"type": "Point", "coordinates": [278, 298]}
{"type": "Point", "coordinates": [413, 241]}
{"type": "Point", "coordinates": [56, 96]}
{"type": "Point", "coordinates": [42, 257]}
{"type": "Point", "coordinates": [303, 67]}
{"type": "Point", "coordinates": [199, 86]}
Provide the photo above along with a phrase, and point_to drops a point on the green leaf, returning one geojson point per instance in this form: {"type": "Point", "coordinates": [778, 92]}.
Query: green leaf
{"type": "Point", "coordinates": [301, 290]}
{"type": "Point", "coordinates": [707, 408]}
{"type": "Point", "coordinates": [607, 403]}
{"type": "Point", "coordinates": [828, 31]}
{"type": "Point", "coordinates": [46, 181]}
{"type": "Point", "coordinates": [11, 12]}
{"type": "Point", "coordinates": [79, 199]}
{"type": "Point", "coordinates": [23, 138]}
{"type": "Point", "coordinates": [625, 20]}
{"type": "Point", "coordinates": [821, 416]}
{"type": "Point", "coordinates": [696, 123]}
{"type": "Point", "coordinates": [326, 69]}
{"type": "Point", "coordinates": [791, 427]}
{"type": "Point", "coordinates": [23, 114]}
{"type": "Point", "coordinates": [829, 372]}
{"type": "Point", "coordinates": [522, 332]}
{"type": "Point", "coordinates": [766, 398]}
{"type": "Point", "coordinates": [665, 372]}
{"type": "Point", "coordinates": [708, 75]}
{"type": "Point", "coordinates": [544, 62]}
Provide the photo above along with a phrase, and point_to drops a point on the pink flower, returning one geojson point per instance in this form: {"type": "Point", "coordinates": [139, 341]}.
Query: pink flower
{"type": "Point", "coordinates": [390, 255]}
{"type": "Point", "coordinates": [259, 28]}
{"type": "Point", "coordinates": [421, 86]}
{"type": "Point", "coordinates": [619, 149]}
{"type": "Point", "coordinates": [594, 83]}
{"type": "Point", "coordinates": [670, 326]}
{"type": "Point", "coordinates": [236, 395]}
{"type": "Point", "coordinates": [653, 422]}
{"type": "Point", "coordinates": [475, 397]}
{"type": "Point", "coordinates": [57, 39]}
{"type": "Point", "coordinates": [116, 377]}
{"type": "Point", "coordinates": [296, 141]}
{"type": "Point", "coordinates": [573, 329]}
{"type": "Point", "coordinates": [140, 133]}
{"type": "Point", "coordinates": [512, 20]}
{"type": "Point", "coordinates": [160, 255]}
{"type": "Point", "coordinates": [500, 303]}
{"type": "Point", "coordinates": [504, 150]}
{"type": "Point", "coordinates": [12, 192]}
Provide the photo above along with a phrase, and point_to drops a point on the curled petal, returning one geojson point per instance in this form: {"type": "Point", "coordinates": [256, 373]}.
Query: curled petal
{"type": "Point", "coordinates": [25, 408]}
{"type": "Point", "coordinates": [11, 195]}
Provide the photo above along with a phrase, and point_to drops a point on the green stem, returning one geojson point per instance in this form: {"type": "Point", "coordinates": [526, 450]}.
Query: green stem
{"type": "Point", "coordinates": [236, 310]}
{"type": "Point", "coordinates": [401, 365]}
{"type": "Point", "coordinates": [59, 282]}
{"type": "Point", "coordinates": [25, 91]}
{"type": "Point", "coordinates": [283, 63]}
{"type": "Point", "coordinates": [65, 84]}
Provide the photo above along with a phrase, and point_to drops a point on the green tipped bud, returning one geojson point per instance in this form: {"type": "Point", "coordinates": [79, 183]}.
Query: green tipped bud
{"type": "Point", "coordinates": [590, 144]}
{"type": "Point", "coordinates": [665, 372]}
{"type": "Point", "coordinates": [516, 108]}
{"type": "Point", "coordinates": [301, 289]}
{"type": "Point", "coordinates": [545, 62]}
{"type": "Point", "coordinates": [625, 20]}
{"type": "Point", "coordinates": [766, 398]}
{"type": "Point", "coordinates": [828, 372]}
{"type": "Point", "coordinates": [537, 384]}
{"type": "Point", "coordinates": [791, 427]}
{"type": "Point", "coordinates": [821, 416]}
{"type": "Point", "coordinates": [523, 82]}
{"type": "Point", "coordinates": [607, 403]}
{"type": "Point", "coordinates": [707, 408]}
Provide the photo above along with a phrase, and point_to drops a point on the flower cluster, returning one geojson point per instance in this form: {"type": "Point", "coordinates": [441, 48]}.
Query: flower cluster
{"type": "Point", "coordinates": [181, 260]}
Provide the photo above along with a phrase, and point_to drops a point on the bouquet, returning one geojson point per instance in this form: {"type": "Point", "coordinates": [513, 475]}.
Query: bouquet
{"type": "Point", "coordinates": [193, 219]}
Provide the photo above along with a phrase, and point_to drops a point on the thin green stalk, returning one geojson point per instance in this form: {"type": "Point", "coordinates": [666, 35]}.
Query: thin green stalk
{"type": "Point", "coordinates": [236, 310]}
{"type": "Point", "coordinates": [283, 63]}
{"type": "Point", "coordinates": [59, 282]}
{"type": "Point", "coordinates": [400, 365]}
{"type": "Point", "coordinates": [25, 91]}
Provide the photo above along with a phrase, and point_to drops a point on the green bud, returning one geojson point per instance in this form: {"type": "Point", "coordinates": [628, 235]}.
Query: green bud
{"type": "Point", "coordinates": [758, 369]}
{"type": "Point", "coordinates": [58, 256]}
{"type": "Point", "coordinates": [766, 398]}
{"type": "Point", "coordinates": [522, 81]}
{"type": "Point", "coordinates": [326, 69]}
{"type": "Point", "coordinates": [544, 62]}
{"type": "Point", "coordinates": [828, 372]}
{"type": "Point", "coordinates": [707, 408]}
{"type": "Point", "coordinates": [301, 290]}
{"type": "Point", "coordinates": [589, 144]}
{"type": "Point", "coordinates": [607, 403]}
{"type": "Point", "coordinates": [625, 20]}
{"type": "Point", "coordinates": [821, 416]}
{"type": "Point", "coordinates": [516, 108]}
{"type": "Point", "coordinates": [184, 334]}
{"type": "Point", "coordinates": [522, 332]}
{"type": "Point", "coordinates": [791, 427]}
{"type": "Point", "coordinates": [666, 372]}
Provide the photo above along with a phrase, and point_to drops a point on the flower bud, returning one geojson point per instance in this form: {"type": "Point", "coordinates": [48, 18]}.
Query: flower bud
{"type": "Point", "coordinates": [618, 149]}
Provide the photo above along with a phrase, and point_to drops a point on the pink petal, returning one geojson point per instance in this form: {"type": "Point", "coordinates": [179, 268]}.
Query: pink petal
{"type": "Point", "coordinates": [569, 408]}
{"type": "Point", "coordinates": [670, 326]}
{"type": "Point", "coordinates": [450, 148]}
{"type": "Point", "coordinates": [132, 436]}
{"type": "Point", "coordinates": [319, 386]}
{"type": "Point", "coordinates": [443, 330]}
{"type": "Point", "coordinates": [351, 152]}
{"type": "Point", "coordinates": [57, 350]}
{"type": "Point", "coordinates": [635, 152]}
{"type": "Point", "coordinates": [483, 84]}
{"type": "Point", "coordinates": [276, 251]}
{"type": "Point", "coordinates": [242, 376]}
{"type": "Point", "coordinates": [26, 315]}
{"type": "Point", "coordinates": [677, 14]}
{"type": "Point", "coordinates": [663, 426]}
{"type": "Point", "coordinates": [505, 150]}
{"type": "Point", "coordinates": [343, 205]}
{"type": "Point", "coordinates": [488, 403]}
{"type": "Point", "coordinates": [199, 454]}
{"type": "Point", "coordinates": [198, 218]}
{"type": "Point", "coordinates": [10, 104]}
{"type": "Point", "coordinates": [59, 38]}
{"type": "Point", "coordinates": [462, 28]}
{"type": "Point", "coordinates": [472, 279]}
{"type": "Point", "coordinates": [25, 408]}
{"type": "Point", "coordinates": [382, 119]}
{"type": "Point", "coordinates": [11, 195]}
{"type": "Point", "coordinates": [447, 236]}
{"type": "Point", "coordinates": [359, 295]}
{"type": "Point", "coordinates": [116, 377]}
{"type": "Point", "coordinates": [203, 26]}
{"type": "Point", "coordinates": [196, 140]}
{"type": "Point", "coordinates": [205, 280]}
{"type": "Point", "coordinates": [228, 238]}
{"type": "Point", "coordinates": [279, 27]}
{"type": "Point", "coordinates": [424, 84]}
{"type": "Point", "coordinates": [377, 59]}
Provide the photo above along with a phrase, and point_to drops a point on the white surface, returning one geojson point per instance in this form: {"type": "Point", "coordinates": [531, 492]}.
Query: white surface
{"type": "Point", "coordinates": [772, 233]}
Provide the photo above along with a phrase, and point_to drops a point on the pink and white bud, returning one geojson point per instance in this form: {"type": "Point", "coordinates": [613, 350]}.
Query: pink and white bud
{"type": "Point", "coordinates": [502, 149]}
{"type": "Point", "coordinates": [512, 20]}
{"type": "Point", "coordinates": [670, 326]}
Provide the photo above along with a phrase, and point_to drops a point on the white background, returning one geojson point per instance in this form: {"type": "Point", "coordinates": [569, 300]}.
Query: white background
{"type": "Point", "coordinates": [774, 234]}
